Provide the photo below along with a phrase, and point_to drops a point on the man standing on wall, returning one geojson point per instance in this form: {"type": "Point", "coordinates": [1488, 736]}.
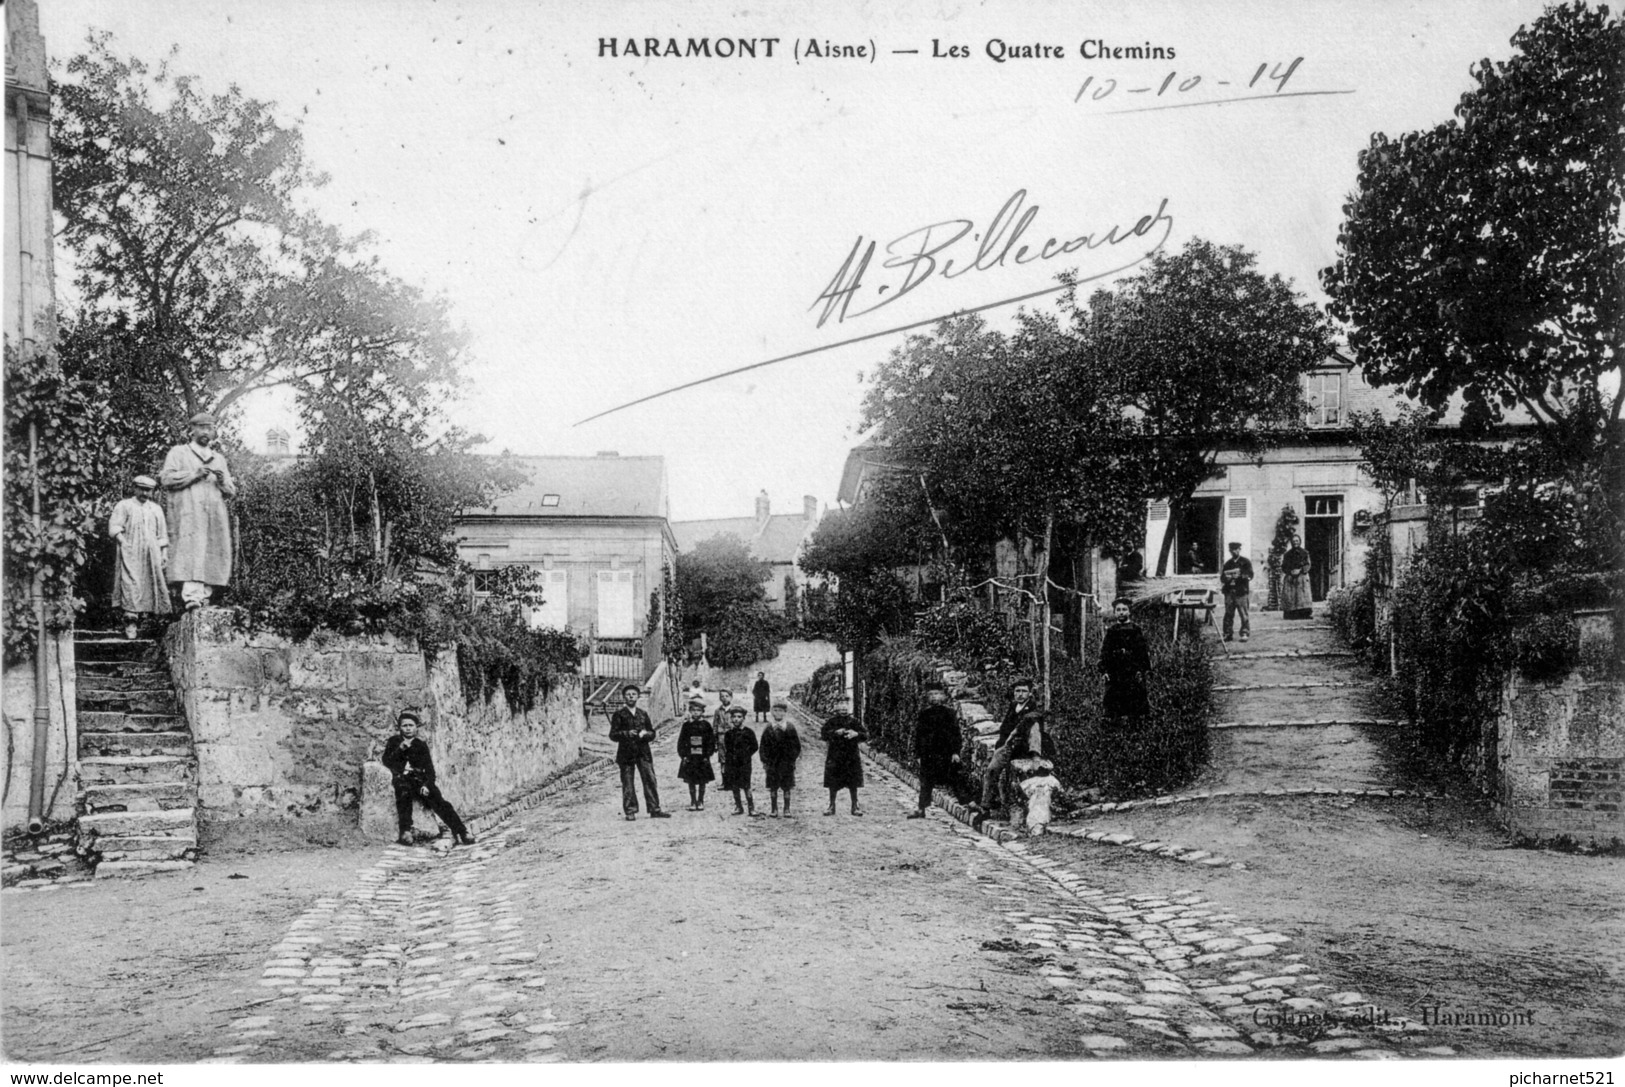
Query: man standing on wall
{"type": "Point", "coordinates": [1125, 658]}
{"type": "Point", "coordinates": [138, 527]}
{"type": "Point", "coordinates": [199, 482]}
{"type": "Point", "coordinates": [1236, 579]}
{"type": "Point", "coordinates": [632, 730]}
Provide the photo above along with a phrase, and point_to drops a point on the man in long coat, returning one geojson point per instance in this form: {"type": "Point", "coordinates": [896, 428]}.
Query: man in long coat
{"type": "Point", "coordinates": [936, 742]}
{"type": "Point", "coordinates": [199, 482]}
{"type": "Point", "coordinates": [1125, 658]}
{"type": "Point", "coordinates": [843, 766]}
{"type": "Point", "coordinates": [632, 730]}
{"type": "Point", "coordinates": [138, 527]}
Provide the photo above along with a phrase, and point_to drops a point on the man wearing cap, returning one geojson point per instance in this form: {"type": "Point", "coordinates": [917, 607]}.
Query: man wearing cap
{"type": "Point", "coordinates": [936, 743]}
{"type": "Point", "coordinates": [1236, 579]}
{"type": "Point", "coordinates": [1021, 701]}
{"type": "Point", "coordinates": [199, 482]}
{"type": "Point", "coordinates": [407, 756]}
{"type": "Point", "coordinates": [632, 730]}
{"type": "Point", "coordinates": [138, 527]}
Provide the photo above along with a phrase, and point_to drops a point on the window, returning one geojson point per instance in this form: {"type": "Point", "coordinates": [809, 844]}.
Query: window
{"type": "Point", "coordinates": [1328, 505]}
{"type": "Point", "coordinates": [1326, 399]}
{"type": "Point", "coordinates": [550, 499]}
{"type": "Point", "coordinates": [277, 442]}
{"type": "Point", "coordinates": [485, 581]}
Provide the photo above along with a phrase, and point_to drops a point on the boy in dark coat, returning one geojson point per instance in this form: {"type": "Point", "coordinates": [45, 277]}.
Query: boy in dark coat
{"type": "Point", "coordinates": [780, 748]}
{"type": "Point", "coordinates": [632, 730]}
{"type": "Point", "coordinates": [696, 743]}
{"type": "Point", "coordinates": [843, 766]}
{"type": "Point", "coordinates": [936, 742]}
{"type": "Point", "coordinates": [1021, 701]}
{"type": "Point", "coordinates": [740, 748]}
{"type": "Point", "coordinates": [410, 765]}
{"type": "Point", "coordinates": [1125, 658]}
{"type": "Point", "coordinates": [761, 696]}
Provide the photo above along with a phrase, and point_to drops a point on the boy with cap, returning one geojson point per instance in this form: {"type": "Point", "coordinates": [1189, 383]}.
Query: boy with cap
{"type": "Point", "coordinates": [407, 757]}
{"type": "Point", "coordinates": [142, 535]}
{"type": "Point", "coordinates": [737, 752]}
{"type": "Point", "coordinates": [1236, 579]}
{"type": "Point", "coordinates": [199, 482]}
{"type": "Point", "coordinates": [780, 748]}
{"type": "Point", "coordinates": [632, 730]}
{"type": "Point", "coordinates": [843, 765]}
{"type": "Point", "coordinates": [696, 743]}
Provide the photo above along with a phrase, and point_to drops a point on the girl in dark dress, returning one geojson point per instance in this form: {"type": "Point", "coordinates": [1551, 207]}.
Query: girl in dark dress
{"type": "Point", "coordinates": [738, 751]}
{"type": "Point", "coordinates": [843, 766]}
{"type": "Point", "coordinates": [696, 743]}
{"type": "Point", "coordinates": [761, 696]}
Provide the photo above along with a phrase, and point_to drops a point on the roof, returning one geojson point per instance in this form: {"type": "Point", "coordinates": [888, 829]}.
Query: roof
{"type": "Point", "coordinates": [601, 486]}
{"type": "Point", "coordinates": [777, 541]}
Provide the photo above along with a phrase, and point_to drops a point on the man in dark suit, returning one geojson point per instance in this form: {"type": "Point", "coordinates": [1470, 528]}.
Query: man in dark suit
{"type": "Point", "coordinates": [936, 743]}
{"type": "Point", "coordinates": [632, 730]}
{"type": "Point", "coordinates": [407, 757]}
{"type": "Point", "coordinates": [1236, 579]}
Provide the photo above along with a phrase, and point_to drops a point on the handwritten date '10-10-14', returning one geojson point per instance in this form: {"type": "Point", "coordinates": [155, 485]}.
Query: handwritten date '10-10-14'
{"type": "Point", "coordinates": [1171, 84]}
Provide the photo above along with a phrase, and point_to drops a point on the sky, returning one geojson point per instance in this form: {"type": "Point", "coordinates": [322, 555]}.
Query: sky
{"type": "Point", "coordinates": [609, 226]}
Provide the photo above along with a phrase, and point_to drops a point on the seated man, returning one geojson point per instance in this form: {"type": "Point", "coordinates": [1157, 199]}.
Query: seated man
{"type": "Point", "coordinates": [408, 760]}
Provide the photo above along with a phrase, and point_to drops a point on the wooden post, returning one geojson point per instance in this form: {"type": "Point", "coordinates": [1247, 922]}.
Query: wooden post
{"type": "Point", "coordinates": [1043, 589]}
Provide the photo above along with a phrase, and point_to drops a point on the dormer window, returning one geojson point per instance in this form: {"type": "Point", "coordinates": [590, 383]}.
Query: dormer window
{"type": "Point", "coordinates": [1326, 399]}
{"type": "Point", "coordinates": [550, 499]}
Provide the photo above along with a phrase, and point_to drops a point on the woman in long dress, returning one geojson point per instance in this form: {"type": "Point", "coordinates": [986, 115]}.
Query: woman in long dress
{"type": "Point", "coordinates": [1296, 601]}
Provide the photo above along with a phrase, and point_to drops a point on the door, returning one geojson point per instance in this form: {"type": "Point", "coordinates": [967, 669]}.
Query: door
{"type": "Point", "coordinates": [1196, 540]}
{"type": "Point", "coordinates": [616, 612]}
{"type": "Point", "coordinates": [554, 611]}
{"type": "Point", "coordinates": [1323, 539]}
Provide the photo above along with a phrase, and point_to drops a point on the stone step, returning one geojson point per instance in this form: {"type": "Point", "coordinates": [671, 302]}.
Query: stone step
{"type": "Point", "coordinates": [136, 847]}
{"type": "Point", "coordinates": [128, 700]}
{"type": "Point", "coordinates": [176, 822]}
{"type": "Point", "coordinates": [154, 796]}
{"type": "Point", "coordinates": [136, 769]}
{"type": "Point", "coordinates": [1308, 722]}
{"type": "Point", "coordinates": [115, 649]}
{"type": "Point", "coordinates": [137, 869]}
{"type": "Point", "coordinates": [134, 743]}
{"type": "Point", "coordinates": [104, 721]}
{"type": "Point", "coordinates": [126, 673]}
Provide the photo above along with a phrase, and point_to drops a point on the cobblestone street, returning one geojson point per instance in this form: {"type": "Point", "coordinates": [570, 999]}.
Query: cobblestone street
{"type": "Point", "coordinates": [571, 934]}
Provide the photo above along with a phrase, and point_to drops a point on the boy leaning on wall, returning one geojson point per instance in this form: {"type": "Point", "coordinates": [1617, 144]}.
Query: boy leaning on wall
{"type": "Point", "coordinates": [407, 756]}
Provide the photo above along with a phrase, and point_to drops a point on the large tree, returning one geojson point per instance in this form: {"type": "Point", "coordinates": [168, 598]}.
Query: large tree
{"type": "Point", "coordinates": [200, 268]}
{"type": "Point", "coordinates": [1485, 257]}
{"type": "Point", "coordinates": [1202, 353]}
{"type": "Point", "coordinates": [724, 596]}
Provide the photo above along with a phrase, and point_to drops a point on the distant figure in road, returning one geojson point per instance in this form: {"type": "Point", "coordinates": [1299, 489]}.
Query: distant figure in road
{"type": "Point", "coordinates": [139, 529]}
{"type": "Point", "coordinates": [1021, 700]}
{"type": "Point", "coordinates": [199, 482]}
{"type": "Point", "coordinates": [632, 730]}
{"type": "Point", "coordinates": [721, 722]}
{"type": "Point", "coordinates": [937, 742]}
{"type": "Point", "coordinates": [1125, 658]}
{"type": "Point", "coordinates": [843, 766]}
{"type": "Point", "coordinates": [762, 695]}
{"type": "Point", "coordinates": [736, 763]}
{"type": "Point", "coordinates": [696, 743]}
{"type": "Point", "coordinates": [780, 748]}
{"type": "Point", "coordinates": [411, 767]}
{"type": "Point", "coordinates": [1296, 600]}
{"type": "Point", "coordinates": [1236, 579]}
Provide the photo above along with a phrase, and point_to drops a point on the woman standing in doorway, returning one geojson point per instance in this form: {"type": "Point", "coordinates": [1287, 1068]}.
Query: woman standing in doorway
{"type": "Point", "coordinates": [1296, 599]}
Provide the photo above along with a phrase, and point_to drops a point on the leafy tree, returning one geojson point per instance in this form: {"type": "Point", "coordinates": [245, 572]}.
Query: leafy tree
{"type": "Point", "coordinates": [1484, 257]}
{"type": "Point", "coordinates": [857, 552]}
{"type": "Point", "coordinates": [724, 596]}
{"type": "Point", "coordinates": [198, 262]}
{"type": "Point", "coordinates": [1203, 352]}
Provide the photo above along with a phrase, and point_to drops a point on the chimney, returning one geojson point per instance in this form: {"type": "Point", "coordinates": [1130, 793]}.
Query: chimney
{"type": "Point", "coordinates": [762, 507]}
{"type": "Point", "coordinates": [809, 507]}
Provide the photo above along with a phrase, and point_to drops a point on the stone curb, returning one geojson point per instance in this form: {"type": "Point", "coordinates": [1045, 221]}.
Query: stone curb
{"type": "Point", "coordinates": [1283, 654]}
{"type": "Point", "coordinates": [1222, 794]}
{"type": "Point", "coordinates": [1309, 722]}
{"type": "Point", "coordinates": [1299, 685]}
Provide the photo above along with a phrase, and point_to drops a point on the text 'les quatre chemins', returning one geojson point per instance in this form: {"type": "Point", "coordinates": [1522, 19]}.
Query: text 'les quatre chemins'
{"type": "Point", "coordinates": [923, 253]}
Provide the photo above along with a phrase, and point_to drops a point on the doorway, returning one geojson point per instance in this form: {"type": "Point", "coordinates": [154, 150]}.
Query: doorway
{"type": "Point", "coordinates": [1196, 538]}
{"type": "Point", "coordinates": [1323, 539]}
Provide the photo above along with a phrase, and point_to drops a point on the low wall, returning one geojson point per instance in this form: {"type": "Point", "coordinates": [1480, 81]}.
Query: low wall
{"type": "Point", "coordinates": [62, 743]}
{"type": "Point", "coordinates": [1560, 749]}
{"type": "Point", "coordinates": [282, 729]}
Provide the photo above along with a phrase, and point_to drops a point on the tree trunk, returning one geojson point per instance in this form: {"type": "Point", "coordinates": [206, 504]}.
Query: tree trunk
{"type": "Point", "coordinates": [1176, 508]}
{"type": "Point", "coordinates": [1043, 596]}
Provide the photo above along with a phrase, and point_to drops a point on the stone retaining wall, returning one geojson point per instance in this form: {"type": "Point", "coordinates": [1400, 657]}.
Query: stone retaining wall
{"type": "Point", "coordinates": [282, 729]}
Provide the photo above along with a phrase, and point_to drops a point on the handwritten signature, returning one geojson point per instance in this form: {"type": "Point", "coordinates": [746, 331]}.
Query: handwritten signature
{"type": "Point", "coordinates": [923, 254]}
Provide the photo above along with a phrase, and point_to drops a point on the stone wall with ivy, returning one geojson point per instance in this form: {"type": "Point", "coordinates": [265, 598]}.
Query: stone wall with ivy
{"type": "Point", "coordinates": [282, 728]}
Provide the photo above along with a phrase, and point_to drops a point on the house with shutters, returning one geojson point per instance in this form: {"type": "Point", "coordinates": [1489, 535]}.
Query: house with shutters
{"type": "Point", "coordinates": [772, 538]}
{"type": "Point", "coordinates": [595, 529]}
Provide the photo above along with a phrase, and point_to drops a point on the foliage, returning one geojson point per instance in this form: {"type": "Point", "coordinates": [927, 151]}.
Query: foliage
{"type": "Point", "coordinates": [792, 603]}
{"type": "Point", "coordinates": [821, 690]}
{"type": "Point", "coordinates": [1349, 610]}
{"type": "Point", "coordinates": [725, 597]}
{"type": "Point", "coordinates": [961, 628]}
{"type": "Point", "coordinates": [1286, 526]}
{"type": "Point", "coordinates": [1483, 257]}
{"type": "Point", "coordinates": [197, 263]}
{"type": "Point", "coordinates": [81, 453]}
{"type": "Point", "coordinates": [1206, 353]}
{"type": "Point", "coordinates": [858, 550]}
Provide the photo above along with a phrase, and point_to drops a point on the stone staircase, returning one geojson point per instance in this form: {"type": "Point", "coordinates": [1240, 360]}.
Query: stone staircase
{"type": "Point", "coordinates": [137, 767]}
{"type": "Point", "coordinates": [1293, 711]}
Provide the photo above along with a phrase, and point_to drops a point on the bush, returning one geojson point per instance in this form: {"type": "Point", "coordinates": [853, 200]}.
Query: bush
{"type": "Point", "coordinates": [1349, 609]}
{"type": "Point", "coordinates": [820, 693]}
